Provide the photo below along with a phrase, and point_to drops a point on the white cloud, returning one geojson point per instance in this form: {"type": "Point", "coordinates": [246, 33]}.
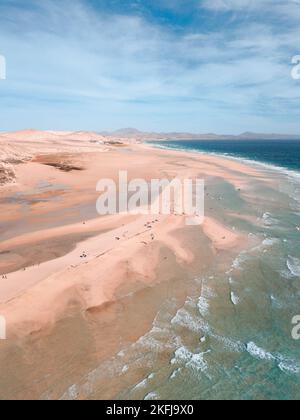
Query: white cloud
{"type": "Point", "coordinates": [289, 8]}
{"type": "Point", "coordinates": [225, 5]}
{"type": "Point", "coordinates": [70, 64]}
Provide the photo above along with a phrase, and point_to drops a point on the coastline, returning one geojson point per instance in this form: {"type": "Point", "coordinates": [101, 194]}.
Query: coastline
{"type": "Point", "coordinates": [256, 163]}
{"type": "Point", "coordinates": [124, 267]}
{"type": "Point", "coordinates": [41, 271]}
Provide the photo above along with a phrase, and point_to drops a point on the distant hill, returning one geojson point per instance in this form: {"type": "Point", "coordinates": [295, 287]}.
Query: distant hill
{"type": "Point", "coordinates": [127, 132]}
{"type": "Point", "coordinates": [143, 136]}
{"type": "Point", "coordinates": [132, 134]}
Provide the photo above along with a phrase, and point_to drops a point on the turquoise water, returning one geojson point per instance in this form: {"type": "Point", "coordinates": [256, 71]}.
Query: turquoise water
{"type": "Point", "coordinates": [282, 153]}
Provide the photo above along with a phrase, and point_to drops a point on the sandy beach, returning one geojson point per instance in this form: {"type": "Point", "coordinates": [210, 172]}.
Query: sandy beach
{"type": "Point", "coordinates": [149, 202]}
{"type": "Point", "coordinates": [76, 286]}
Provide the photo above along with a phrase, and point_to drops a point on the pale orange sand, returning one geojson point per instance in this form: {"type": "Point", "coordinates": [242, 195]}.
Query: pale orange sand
{"type": "Point", "coordinates": [44, 205]}
{"type": "Point", "coordinates": [38, 294]}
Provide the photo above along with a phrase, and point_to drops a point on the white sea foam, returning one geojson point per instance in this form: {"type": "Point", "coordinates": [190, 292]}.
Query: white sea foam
{"type": "Point", "coordinates": [208, 292]}
{"type": "Point", "coordinates": [269, 220]}
{"type": "Point", "coordinates": [238, 261]}
{"type": "Point", "coordinates": [195, 361]}
{"type": "Point", "coordinates": [182, 354]}
{"type": "Point", "coordinates": [286, 273]}
{"type": "Point", "coordinates": [200, 325]}
{"type": "Point", "coordinates": [234, 298]}
{"type": "Point", "coordinates": [71, 394]}
{"type": "Point", "coordinates": [289, 367]}
{"type": "Point", "coordinates": [293, 265]}
{"type": "Point", "coordinates": [140, 385]}
{"type": "Point", "coordinates": [125, 369]}
{"type": "Point", "coordinates": [204, 326]}
{"type": "Point", "coordinates": [276, 302]}
{"type": "Point", "coordinates": [183, 318]}
{"type": "Point", "coordinates": [231, 281]}
{"type": "Point", "coordinates": [156, 339]}
{"type": "Point", "coordinates": [152, 396]}
{"type": "Point", "coordinates": [203, 306]}
{"type": "Point", "coordinates": [175, 373]}
{"type": "Point", "coordinates": [271, 241]}
{"type": "Point", "coordinates": [259, 353]}
{"type": "Point", "coordinates": [198, 362]}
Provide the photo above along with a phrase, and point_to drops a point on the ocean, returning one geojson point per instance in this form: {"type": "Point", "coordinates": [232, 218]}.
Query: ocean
{"type": "Point", "coordinates": [281, 153]}
{"type": "Point", "coordinates": [231, 337]}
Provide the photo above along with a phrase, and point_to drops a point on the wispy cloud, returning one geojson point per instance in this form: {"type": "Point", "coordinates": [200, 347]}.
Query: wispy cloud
{"type": "Point", "coordinates": [74, 65]}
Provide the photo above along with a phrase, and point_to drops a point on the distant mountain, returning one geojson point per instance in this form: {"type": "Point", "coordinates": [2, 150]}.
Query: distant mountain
{"type": "Point", "coordinates": [133, 133]}
{"type": "Point", "coordinates": [127, 132]}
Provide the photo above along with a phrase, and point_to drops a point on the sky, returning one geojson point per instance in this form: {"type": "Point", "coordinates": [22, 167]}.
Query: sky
{"type": "Point", "coordinates": [204, 66]}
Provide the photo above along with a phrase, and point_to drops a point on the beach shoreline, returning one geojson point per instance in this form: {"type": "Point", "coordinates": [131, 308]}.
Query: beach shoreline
{"type": "Point", "coordinates": [62, 265]}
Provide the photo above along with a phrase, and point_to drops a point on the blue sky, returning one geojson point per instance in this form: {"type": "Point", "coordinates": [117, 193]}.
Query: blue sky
{"type": "Point", "coordinates": [219, 66]}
